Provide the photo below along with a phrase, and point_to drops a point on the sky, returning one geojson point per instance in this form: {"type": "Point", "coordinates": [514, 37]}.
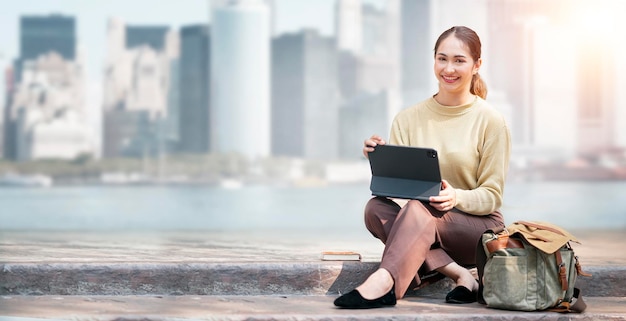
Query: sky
{"type": "Point", "coordinates": [92, 15]}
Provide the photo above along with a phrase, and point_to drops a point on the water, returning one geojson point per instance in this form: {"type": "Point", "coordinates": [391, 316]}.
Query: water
{"type": "Point", "coordinates": [338, 207]}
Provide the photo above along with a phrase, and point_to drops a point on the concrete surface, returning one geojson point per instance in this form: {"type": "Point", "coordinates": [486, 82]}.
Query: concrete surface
{"type": "Point", "coordinates": [244, 275]}
{"type": "Point", "coordinates": [275, 308]}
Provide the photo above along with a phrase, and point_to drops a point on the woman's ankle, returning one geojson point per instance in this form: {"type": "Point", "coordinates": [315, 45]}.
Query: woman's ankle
{"type": "Point", "coordinates": [377, 284]}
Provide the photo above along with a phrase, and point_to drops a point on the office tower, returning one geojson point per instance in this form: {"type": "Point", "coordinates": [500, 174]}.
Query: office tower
{"type": "Point", "coordinates": [152, 36]}
{"type": "Point", "coordinates": [374, 34]}
{"type": "Point", "coordinates": [349, 25]}
{"type": "Point", "coordinates": [416, 49]}
{"type": "Point", "coordinates": [365, 74]}
{"type": "Point", "coordinates": [8, 126]}
{"type": "Point", "coordinates": [512, 24]}
{"type": "Point", "coordinates": [194, 89]}
{"type": "Point", "coordinates": [240, 78]}
{"type": "Point", "coordinates": [596, 96]}
{"type": "Point", "coordinates": [47, 111]}
{"type": "Point", "coordinates": [393, 37]}
{"type": "Point", "coordinates": [41, 34]}
{"type": "Point", "coordinates": [305, 96]}
{"type": "Point", "coordinates": [364, 115]}
{"type": "Point", "coordinates": [137, 88]}
{"type": "Point", "coordinates": [4, 80]}
{"type": "Point", "coordinates": [549, 101]}
{"type": "Point", "coordinates": [620, 98]}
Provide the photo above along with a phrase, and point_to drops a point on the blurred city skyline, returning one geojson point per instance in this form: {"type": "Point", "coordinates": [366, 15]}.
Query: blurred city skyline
{"type": "Point", "coordinates": [92, 17]}
{"type": "Point", "coordinates": [552, 68]}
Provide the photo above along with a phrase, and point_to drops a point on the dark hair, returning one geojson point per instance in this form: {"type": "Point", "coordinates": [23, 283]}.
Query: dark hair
{"type": "Point", "coordinates": [471, 40]}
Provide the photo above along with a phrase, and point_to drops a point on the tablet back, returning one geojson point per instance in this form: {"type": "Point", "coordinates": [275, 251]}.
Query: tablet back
{"type": "Point", "coordinates": [404, 172]}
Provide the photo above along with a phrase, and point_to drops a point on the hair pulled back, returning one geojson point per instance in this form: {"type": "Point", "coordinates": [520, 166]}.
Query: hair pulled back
{"type": "Point", "coordinates": [472, 41]}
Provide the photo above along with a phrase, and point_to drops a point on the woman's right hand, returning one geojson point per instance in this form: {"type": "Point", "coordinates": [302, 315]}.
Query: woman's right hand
{"type": "Point", "coordinates": [372, 142]}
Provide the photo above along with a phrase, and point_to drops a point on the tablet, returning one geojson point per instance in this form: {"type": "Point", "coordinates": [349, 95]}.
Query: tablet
{"type": "Point", "coordinates": [404, 172]}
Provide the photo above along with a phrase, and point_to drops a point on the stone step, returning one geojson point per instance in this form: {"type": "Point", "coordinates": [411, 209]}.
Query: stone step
{"type": "Point", "coordinates": [242, 278]}
{"type": "Point", "coordinates": [235, 308]}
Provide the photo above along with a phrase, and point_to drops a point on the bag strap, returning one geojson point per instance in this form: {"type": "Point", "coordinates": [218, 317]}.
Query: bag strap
{"type": "Point", "coordinates": [562, 271]}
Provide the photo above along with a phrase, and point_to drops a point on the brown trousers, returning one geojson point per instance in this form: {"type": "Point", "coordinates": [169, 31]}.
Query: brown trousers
{"type": "Point", "coordinates": [419, 239]}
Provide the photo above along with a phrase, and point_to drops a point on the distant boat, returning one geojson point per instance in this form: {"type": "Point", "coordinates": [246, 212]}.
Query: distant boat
{"type": "Point", "coordinates": [231, 183]}
{"type": "Point", "coordinates": [19, 180]}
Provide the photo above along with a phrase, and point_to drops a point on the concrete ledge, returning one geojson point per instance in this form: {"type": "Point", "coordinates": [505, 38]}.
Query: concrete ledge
{"type": "Point", "coordinates": [235, 308]}
{"type": "Point", "coordinates": [270, 278]}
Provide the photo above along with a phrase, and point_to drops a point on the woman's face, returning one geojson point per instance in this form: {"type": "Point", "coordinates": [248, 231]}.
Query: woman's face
{"type": "Point", "coordinates": [454, 66]}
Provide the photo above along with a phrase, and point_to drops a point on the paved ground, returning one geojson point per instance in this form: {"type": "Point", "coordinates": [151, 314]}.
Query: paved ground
{"type": "Point", "coordinates": [276, 308]}
{"type": "Point", "coordinates": [603, 247]}
{"type": "Point", "coordinates": [600, 250]}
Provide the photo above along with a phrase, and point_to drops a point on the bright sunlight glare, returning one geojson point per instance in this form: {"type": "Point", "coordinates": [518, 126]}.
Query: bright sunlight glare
{"type": "Point", "coordinates": [599, 22]}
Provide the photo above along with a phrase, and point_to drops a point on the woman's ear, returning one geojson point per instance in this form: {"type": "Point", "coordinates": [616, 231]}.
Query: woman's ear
{"type": "Point", "coordinates": [477, 65]}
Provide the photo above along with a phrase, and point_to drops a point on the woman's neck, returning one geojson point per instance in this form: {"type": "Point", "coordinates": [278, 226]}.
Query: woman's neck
{"type": "Point", "coordinates": [448, 99]}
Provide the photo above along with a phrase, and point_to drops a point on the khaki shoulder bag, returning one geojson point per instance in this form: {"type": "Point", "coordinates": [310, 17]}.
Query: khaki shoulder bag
{"type": "Point", "coordinates": [529, 266]}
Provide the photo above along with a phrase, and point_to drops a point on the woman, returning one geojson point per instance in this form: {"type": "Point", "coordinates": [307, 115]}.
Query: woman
{"type": "Point", "coordinates": [473, 144]}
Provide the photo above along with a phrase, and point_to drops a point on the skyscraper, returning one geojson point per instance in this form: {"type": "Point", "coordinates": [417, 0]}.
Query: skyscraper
{"type": "Point", "coordinates": [194, 89]}
{"type": "Point", "coordinates": [240, 78]}
{"type": "Point", "coordinates": [416, 49]}
{"type": "Point", "coordinates": [596, 96]}
{"type": "Point", "coordinates": [305, 96]}
{"type": "Point", "coordinates": [137, 92]}
{"type": "Point", "coordinates": [349, 25]}
{"type": "Point", "coordinates": [41, 34]}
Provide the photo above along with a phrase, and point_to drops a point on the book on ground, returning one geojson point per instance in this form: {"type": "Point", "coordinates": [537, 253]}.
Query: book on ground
{"type": "Point", "coordinates": [340, 256]}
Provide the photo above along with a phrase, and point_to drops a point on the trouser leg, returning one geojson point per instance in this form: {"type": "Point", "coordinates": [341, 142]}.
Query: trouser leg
{"type": "Point", "coordinates": [408, 236]}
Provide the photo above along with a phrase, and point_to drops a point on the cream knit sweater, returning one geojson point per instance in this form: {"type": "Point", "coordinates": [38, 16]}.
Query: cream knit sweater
{"type": "Point", "coordinates": [473, 143]}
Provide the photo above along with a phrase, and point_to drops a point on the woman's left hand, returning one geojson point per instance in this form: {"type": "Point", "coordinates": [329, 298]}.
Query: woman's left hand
{"type": "Point", "coordinates": [446, 200]}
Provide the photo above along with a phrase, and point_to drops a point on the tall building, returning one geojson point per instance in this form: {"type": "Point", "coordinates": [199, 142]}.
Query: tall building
{"type": "Point", "coordinates": [416, 49]}
{"type": "Point", "coordinates": [45, 114]}
{"type": "Point", "coordinates": [194, 89]}
{"type": "Point", "coordinates": [549, 100]}
{"type": "Point", "coordinates": [4, 79]}
{"type": "Point", "coordinates": [152, 36]}
{"type": "Point", "coordinates": [585, 100]}
{"type": "Point", "coordinates": [240, 78]}
{"type": "Point", "coordinates": [349, 25]}
{"type": "Point", "coordinates": [41, 34]}
{"type": "Point", "coordinates": [596, 96]}
{"type": "Point", "coordinates": [8, 124]}
{"type": "Point", "coordinates": [305, 96]}
{"type": "Point", "coordinates": [47, 111]}
{"type": "Point", "coordinates": [620, 98]}
{"type": "Point", "coordinates": [364, 115]}
{"type": "Point", "coordinates": [137, 88]}
{"type": "Point", "coordinates": [374, 34]}
{"type": "Point", "coordinates": [512, 24]}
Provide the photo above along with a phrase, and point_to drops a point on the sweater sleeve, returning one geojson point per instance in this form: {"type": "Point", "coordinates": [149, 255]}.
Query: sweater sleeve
{"type": "Point", "coordinates": [491, 175]}
{"type": "Point", "coordinates": [397, 136]}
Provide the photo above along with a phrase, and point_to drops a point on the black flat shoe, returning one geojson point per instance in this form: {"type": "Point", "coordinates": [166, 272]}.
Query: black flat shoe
{"type": "Point", "coordinates": [461, 295]}
{"type": "Point", "coordinates": [354, 300]}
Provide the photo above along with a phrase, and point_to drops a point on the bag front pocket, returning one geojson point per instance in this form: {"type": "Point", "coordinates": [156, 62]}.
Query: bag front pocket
{"type": "Point", "coordinates": [505, 283]}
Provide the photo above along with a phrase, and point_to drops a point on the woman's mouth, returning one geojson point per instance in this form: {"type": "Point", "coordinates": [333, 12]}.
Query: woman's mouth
{"type": "Point", "coordinates": [449, 79]}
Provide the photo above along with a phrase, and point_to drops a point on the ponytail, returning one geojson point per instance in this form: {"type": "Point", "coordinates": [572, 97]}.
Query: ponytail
{"type": "Point", "coordinates": [478, 86]}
